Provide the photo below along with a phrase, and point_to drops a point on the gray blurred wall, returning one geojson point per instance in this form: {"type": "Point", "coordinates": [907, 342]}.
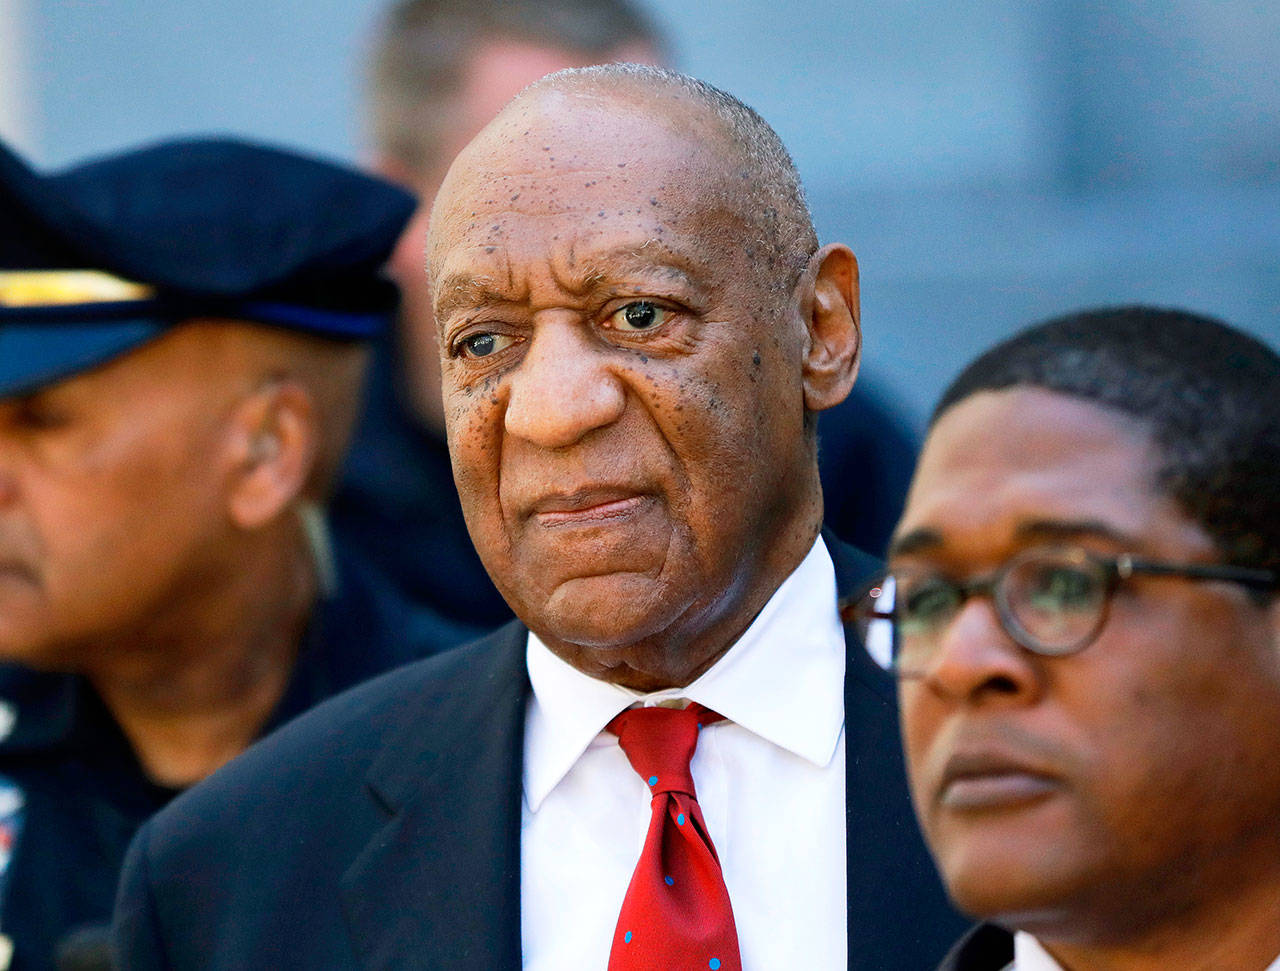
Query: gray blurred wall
{"type": "Point", "coordinates": [990, 162]}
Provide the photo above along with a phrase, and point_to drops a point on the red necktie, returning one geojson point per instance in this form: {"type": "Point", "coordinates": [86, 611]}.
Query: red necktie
{"type": "Point", "coordinates": [676, 914]}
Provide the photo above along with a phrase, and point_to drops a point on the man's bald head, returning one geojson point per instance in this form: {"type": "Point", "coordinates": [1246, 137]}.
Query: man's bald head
{"type": "Point", "coordinates": [632, 312]}
{"type": "Point", "coordinates": [744, 168]}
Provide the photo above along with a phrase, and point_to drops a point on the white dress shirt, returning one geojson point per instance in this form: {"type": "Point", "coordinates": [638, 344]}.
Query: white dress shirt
{"type": "Point", "coordinates": [770, 781]}
{"type": "Point", "coordinates": [1030, 955]}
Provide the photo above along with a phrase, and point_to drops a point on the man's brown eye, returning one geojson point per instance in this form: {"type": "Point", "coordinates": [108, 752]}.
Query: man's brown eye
{"type": "Point", "coordinates": [641, 315]}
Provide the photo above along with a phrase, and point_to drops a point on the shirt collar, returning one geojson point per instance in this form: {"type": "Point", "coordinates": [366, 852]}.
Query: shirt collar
{"type": "Point", "coordinates": [783, 680]}
{"type": "Point", "coordinates": [1030, 955]}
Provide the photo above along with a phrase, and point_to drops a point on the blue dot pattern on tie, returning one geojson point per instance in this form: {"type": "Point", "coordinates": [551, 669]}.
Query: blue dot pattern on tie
{"type": "Point", "coordinates": [680, 819]}
{"type": "Point", "coordinates": [653, 780]}
{"type": "Point", "coordinates": [670, 881]}
{"type": "Point", "coordinates": [627, 938]}
{"type": "Point", "coordinates": [714, 964]}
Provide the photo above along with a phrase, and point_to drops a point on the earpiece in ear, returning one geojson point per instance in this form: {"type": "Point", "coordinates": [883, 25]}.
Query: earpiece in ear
{"type": "Point", "coordinates": [265, 446]}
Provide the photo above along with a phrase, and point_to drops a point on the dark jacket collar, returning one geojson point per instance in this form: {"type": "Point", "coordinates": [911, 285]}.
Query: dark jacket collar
{"type": "Point", "coordinates": [354, 634]}
{"type": "Point", "coordinates": [444, 879]}
{"type": "Point", "coordinates": [985, 948]}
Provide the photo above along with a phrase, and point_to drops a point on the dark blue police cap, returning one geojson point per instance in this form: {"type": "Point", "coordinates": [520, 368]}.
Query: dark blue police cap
{"type": "Point", "coordinates": [99, 258]}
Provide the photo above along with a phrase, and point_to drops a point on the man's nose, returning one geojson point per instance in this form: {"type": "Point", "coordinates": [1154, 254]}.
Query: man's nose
{"type": "Point", "coordinates": [976, 659]}
{"type": "Point", "coordinates": [563, 388]}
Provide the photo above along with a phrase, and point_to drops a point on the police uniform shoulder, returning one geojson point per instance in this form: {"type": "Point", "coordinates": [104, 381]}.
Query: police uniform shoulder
{"type": "Point", "coordinates": [36, 708]}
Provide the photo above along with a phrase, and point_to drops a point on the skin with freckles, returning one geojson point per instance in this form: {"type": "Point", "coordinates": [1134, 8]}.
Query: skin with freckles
{"type": "Point", "coordinates": [1122, 803]}
{"type": "Point", "coordinates": [496, 72]}
{"type": "Point", "coordinates": [625, 389]}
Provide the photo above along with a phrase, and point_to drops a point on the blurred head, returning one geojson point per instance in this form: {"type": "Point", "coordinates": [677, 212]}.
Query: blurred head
{"type": "Point", "coordinates": [633, 311]}
{"type": "Point", "coordinates": [1100, 794]}
{"type": "Point", "coordinates": [134, 491]}
{"type": "Point", "coordinates": [439, 71]}
{"type": "Point", "coordinates": [170, 399]}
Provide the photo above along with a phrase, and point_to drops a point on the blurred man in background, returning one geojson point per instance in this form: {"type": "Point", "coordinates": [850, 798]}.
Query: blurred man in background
{"type": "Point", "coordinates": [183, 332]}
{"type": "Point", "coordinates": [439, 71]}
{"type": "Point", "coordinates": [1084, 593]}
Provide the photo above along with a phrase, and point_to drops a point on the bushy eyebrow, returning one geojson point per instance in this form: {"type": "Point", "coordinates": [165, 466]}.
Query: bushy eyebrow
{"type": "Point", "coordinates": [926, 538]}
{"type": "Point", "coordinates": [916, 541]}
{"type": "Point", "coordinates": [460, 290]}
{"type": "Point", "coordinates": [1068, 529]}
{"type": "Point", "coordinates": [631, 263]}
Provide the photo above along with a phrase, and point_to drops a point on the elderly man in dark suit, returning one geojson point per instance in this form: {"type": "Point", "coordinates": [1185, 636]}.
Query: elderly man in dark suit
{"type": "Point", "coordinates": [1084, 592]}
{"type": "Point", "coordinates": [679, 757]}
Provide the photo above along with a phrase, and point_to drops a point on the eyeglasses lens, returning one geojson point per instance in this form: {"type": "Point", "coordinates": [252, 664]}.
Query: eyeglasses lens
{"type": "Point", "coordinates": [1056, 599]}
{"type": "Point", "coordinates": [1049, 601]}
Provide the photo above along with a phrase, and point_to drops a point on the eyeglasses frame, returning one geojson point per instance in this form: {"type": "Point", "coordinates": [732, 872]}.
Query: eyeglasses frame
{"type": "Point", "coordinates": [1117, 569]}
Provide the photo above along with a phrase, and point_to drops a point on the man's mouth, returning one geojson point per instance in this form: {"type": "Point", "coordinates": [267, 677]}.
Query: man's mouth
{"type": "Point", "coordinates": [992, 780]}
{"type": "Point", "coordinates": [590, 506]}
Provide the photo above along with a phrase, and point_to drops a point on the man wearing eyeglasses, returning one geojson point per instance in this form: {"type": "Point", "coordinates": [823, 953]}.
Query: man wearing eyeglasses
{"type": "Point", "coordinates": [1081, 608]}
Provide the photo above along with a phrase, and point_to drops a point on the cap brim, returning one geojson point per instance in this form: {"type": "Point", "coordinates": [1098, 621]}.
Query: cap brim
{"type": "Point", "coordinates": [35, 356]}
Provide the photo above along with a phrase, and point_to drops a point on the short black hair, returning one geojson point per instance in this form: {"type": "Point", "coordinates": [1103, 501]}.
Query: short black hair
{"type": "Point", "coordinates": [1209, 393]}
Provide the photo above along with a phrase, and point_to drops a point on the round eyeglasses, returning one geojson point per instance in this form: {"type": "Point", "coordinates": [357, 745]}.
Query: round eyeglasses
{"type": "Point", "coordinates": [1051, 600]}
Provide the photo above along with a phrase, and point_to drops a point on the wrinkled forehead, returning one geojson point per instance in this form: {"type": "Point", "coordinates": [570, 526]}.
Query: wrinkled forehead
{"type": "Point", "coordinates": [604, 157]}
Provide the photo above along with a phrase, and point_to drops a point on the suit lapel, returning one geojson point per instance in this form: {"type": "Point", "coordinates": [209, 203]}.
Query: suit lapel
{"type": "Point", "coordinates": [898, 906]}
{"type": "Point", "coordinates": [439, 885]}
{"type": "Point", "coordinates": [985, 948]}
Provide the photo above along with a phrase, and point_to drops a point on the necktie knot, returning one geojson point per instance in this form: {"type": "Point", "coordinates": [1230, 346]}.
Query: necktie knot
{"type": "Point", "coordinates": [660, 742]}
{"type": "Point", "coordinates": [676, 913]}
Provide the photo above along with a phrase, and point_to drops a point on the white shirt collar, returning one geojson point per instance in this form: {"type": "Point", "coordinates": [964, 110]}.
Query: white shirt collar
{"type": "Point", "coordinates": [783, 681]}
{"type": "Point", "coordinates": [1030, 955]}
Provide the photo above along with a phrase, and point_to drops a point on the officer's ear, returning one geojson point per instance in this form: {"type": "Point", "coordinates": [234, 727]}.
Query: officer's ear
{"type": "Point", "coordinates": [274, 442]}
{"type": "Point", "coordinates": [829, 303]}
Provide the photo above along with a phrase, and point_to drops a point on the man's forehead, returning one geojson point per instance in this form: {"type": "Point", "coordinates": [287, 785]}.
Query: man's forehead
{"type": "Point", "coordinates": [632, 140]}
{"type": "Point", "coordinates": [595, 184]}
{"type": "Point", "coordinates": [1001, 460]}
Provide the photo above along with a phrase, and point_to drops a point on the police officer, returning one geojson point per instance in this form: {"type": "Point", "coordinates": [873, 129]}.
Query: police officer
{"type": "Point", "coordinates": [182, 338]}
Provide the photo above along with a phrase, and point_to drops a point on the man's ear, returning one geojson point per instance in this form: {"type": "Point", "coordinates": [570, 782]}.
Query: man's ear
{"type": "Point", "coordinates": [273, 445]}
{"type": "Point", "coordinates": [830, 306]}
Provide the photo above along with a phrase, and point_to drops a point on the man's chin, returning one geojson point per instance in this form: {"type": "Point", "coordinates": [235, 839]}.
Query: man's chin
{"type": "Point", "coordinates": [36, 654]}
{"type": "Point", "coordinates": [604, 616]}
{"type": "Point", "coordinates": [1032, 894]}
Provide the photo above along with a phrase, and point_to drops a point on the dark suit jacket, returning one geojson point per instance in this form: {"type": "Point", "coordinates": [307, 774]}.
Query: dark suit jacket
{"type": "Point", "coordinates": [382, 830]}
{"type": "Point", "coordinates": [985, 948]}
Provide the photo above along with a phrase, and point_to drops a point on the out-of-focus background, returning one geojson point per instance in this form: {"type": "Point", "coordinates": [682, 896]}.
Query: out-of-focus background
{"type": "Point", "coordinates": [990, 162]}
